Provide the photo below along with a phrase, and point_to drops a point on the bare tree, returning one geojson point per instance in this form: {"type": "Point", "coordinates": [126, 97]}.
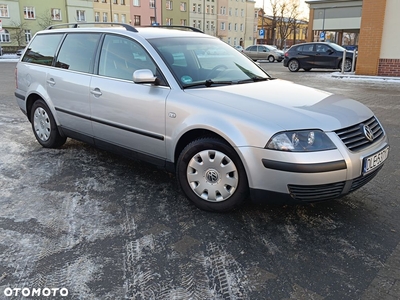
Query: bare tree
{"type": "Point", "coordinates": [19, 32]}
{"type": "Point", "coordinates": [45, 20]}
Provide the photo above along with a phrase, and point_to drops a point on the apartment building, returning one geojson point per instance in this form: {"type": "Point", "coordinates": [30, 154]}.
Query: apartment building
{"type": "Point", "coordinates": [111, 11]}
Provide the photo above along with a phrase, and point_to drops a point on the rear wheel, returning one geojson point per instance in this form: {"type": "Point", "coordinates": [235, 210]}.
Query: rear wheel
{"type": "Point", "coordinates": [211, 175]}
{"type": "Point", "coordinates": [347, 65]}
{"type": "Point", "coordinates": [271, 58]}
{"type": "Point", "coordinates": [293, 65]}
{"type": "Point", "coordinates": [44, 127]}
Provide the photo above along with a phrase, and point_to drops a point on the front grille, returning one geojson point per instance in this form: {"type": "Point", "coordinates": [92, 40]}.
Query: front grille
{"type": "Point", "coordinates": [353, 137]}
{"type": "Point", "coordinates": [313, 193]}
{"type": "Point", "coordinates": [360, 181]}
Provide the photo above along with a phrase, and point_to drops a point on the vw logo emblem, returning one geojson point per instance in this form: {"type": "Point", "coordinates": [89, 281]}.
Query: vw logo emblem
{"type": "Point", "coordinates": [368, 133]}
{"type": "Point", "coordinates": [212, 176]}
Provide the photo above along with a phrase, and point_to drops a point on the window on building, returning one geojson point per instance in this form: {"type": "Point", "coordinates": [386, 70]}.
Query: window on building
{"type": "Point", "coordinates": [183, 6]}
{"type": "Point", "coordinates": [236, 27]}
{"type": "Point", "coordinates": [194, 7]}
{"type": "Point", "coordinates": [242, 12]}
{"type": "Point", "coordinates": [136, 2]}
{"type": "Point", "coordinates": [115, 1]}
{"type": "Point", "coordinates": [56, 14]}
{"type": "Point", "coordinates": [183, 22]}
{"type": "Point", "coordinates": [208, 25]}
{"type": "Point", "coordinates": [207, 9]}
{"type": "Point", "coordinates": [229, 26]}
{"type": "Point", "coordinates": [152, 20]}
{"type": "Point", "coordinates": [29, 12]}
{"type": "Point", "coordinates": [123, 18]}
{"type": "Point", "coordinates": [212, 25]}
{"type": "Point", "coordinates": [223, 10]}
{"type": "Point", "coordinates": [28, 36]}
{"type": "Point", "coordinates": [222, 26]}
{"type": "Point", "coordinates": [229, 40]}
{"type": "Point", "coordinates": [4, 11]}
{"type": "Point", "coordinates": [169, 5]}
{"type": "Point", "coordinates": [105, 17]}
{"type": "Point", "coordinates": [136, 19]}
{"type": "Point", "coordinates": [199, 24]}
{"type": "Point", "coordinates": [199, 8]}
{"type": "Point", "coordinates": [80, 15]}
{"type": "Point", "coordinates": [212, 9]}
{"type": "Point", "coordinates": [169, 21]}
{"type": "Point", "coordinates": [230, 11]}
{"type": "Point", "coordinates": [97, 16]}
{"type": "Point", "coordinates": [122, 2]}
{"type": "Point", "coordinates": [194, 23]}
{"type": "Point", "coordinates": [235, 41]}
{"type": "Point", "coordinates": [241, 27]}
{"type": "Point", "coordinates": [5, 36]}
{"type": "Point", "coordinates": [152, 3]}
{"type": "Point", "coordinates": [236, 12]}
{"type": "Point", "coordinates": [115, 18]}
{"type": "Point", "coordinates": [104, 1]}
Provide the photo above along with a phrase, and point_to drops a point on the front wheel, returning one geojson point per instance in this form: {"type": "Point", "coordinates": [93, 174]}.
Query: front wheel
{"type": "Point", "coordinates": [347, 65]}
{"type": "Point", "coordinates": [293, 65]}
{"type": "Point", "coordinates": [211, 175]}
{"type": "Point", "coordinates": [271, 59]}
{"type": "Point", "coordinates": [44, 127]}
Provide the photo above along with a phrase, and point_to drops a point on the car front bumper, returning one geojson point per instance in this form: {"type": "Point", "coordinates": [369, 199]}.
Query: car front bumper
{"type": "Point", "coordinates": [289, 177]}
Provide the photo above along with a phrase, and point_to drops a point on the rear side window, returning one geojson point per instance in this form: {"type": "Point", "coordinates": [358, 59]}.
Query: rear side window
{"type": "Point", "coordinates": [42, 49]}
{"type": "Point", "coordinates": [77, 52]}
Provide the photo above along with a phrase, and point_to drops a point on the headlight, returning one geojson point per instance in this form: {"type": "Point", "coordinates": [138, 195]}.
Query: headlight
{"type": "Point", "coordinates": [300, 141]}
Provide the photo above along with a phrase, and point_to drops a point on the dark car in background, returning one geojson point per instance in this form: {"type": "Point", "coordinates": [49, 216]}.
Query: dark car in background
{"type": "Point", "coordinates": [319, 55]}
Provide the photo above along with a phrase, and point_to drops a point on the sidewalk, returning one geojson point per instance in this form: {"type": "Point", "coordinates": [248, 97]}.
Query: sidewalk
{"type": "Point", "coordinates": [352, 75]}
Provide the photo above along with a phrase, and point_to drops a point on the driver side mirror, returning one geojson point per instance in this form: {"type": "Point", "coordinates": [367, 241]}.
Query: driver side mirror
{"type": "Point", "coordinates": [144, 76]}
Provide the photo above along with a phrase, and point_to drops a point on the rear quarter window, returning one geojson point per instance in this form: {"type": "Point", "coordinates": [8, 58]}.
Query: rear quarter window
{"type": "Point", "coordinates": [42, 49]}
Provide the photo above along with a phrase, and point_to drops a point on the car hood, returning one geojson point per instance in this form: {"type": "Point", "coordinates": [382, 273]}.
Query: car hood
{"type": "Point", "coordinates": [288, 105]}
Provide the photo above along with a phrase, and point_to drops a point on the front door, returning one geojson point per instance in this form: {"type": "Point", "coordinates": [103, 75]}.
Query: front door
{"type": "Point", "coordinates": [124, 113]}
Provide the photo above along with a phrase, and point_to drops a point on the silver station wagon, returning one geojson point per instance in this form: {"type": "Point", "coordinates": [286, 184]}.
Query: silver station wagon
{"type": "Point", "coordinates": [187, 102]}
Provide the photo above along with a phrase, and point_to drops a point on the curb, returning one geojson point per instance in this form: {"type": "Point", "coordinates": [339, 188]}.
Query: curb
{"type": "Point", "coordinates": [364, 77]}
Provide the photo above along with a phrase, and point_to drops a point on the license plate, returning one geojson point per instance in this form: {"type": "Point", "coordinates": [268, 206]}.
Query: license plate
{"type": "Point", "coordinates": [375, 160]}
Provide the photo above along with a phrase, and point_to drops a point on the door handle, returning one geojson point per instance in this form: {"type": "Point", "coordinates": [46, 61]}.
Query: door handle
{"type": "Point", "coordinates": [96, 92]}
{"type": "Point", "coordinates": [51, 81]}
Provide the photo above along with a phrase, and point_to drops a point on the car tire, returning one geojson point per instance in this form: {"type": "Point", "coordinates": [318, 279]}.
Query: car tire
{"type": "Point", "coordinates": [307, 69]}
{"type": "Point", "coordinates": [271, 59]}
{"type": "Point", "coordinates": [44, 126]}
{"type": "Point", "coordinates": [293, 65]}
{"type": "Point", "coordinates": [347, 65]}
{"type": "Point", "coordinates": [211, 175]}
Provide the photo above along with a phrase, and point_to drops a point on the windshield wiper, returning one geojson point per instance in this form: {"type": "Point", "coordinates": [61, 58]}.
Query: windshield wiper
{"type": "Point", "coordinates": [255, 79]}
{"type": "Point", "coordinates": [208, 83]}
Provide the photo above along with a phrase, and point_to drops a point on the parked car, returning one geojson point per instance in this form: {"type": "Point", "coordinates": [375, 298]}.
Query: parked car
{"type": "Point", "coordinates": [239, 48]}
{"type": "Point", "coordinates": [320, 55]}
{"type": "Point", "coordinates": [264, 52]}
{"type": "Point", "coordinates": [20, 51]}
{"type": "Point", "coordinates": [220, 122]}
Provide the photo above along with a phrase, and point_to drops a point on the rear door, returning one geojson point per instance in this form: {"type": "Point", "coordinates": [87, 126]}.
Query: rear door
{"type": "Point", "coordinates": [126, 114]}
{"type": "Point", "coordinates": [68, 83]}
{"type": "Point", "coordinates": [305, 55]}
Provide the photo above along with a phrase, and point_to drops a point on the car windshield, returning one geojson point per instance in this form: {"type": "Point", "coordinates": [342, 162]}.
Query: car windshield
{"type": "Point", "coordinates": [336, 47]}
{"type": "Point", "coordinates": [205, 61]}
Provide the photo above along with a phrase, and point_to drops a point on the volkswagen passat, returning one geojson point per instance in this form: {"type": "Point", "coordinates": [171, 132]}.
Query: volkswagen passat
{"type": "Point", "coordinates": [219, 121]}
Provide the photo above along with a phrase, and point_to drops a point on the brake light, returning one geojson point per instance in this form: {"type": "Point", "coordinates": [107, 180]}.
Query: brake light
{"type": "Point", "coordinates": [286, 54]}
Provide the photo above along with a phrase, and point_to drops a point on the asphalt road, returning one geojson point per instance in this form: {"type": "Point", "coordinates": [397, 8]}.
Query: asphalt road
{"type": "Point", "coordinates": [99, 226]}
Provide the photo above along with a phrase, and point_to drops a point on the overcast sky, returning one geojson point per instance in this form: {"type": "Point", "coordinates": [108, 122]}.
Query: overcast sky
{"type": "Point", "coordinates": [267, 6]}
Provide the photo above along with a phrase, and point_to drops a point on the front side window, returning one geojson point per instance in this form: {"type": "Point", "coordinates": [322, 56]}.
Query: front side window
{"type": "Point", "coordinates": [80, 16]}
{"type": "Point", "coordinates": [121, 57]}
{"type": "Point", "coordinates": [42, 49]}
{"type": "Point", "coordinates": [4, 11]}
{"type": "Point", "coordinates": [29, 12]}
{"type": "Point", "coordinates": [77, 52]}
{"type": "Point", "coordinates": [56, 14]}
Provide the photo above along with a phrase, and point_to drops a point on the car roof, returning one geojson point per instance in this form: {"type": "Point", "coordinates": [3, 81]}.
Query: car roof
{"type": "Point", "coordinates": [146, 32]}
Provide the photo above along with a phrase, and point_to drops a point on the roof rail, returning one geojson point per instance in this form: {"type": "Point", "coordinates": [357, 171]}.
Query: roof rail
{"type": "Point", "coordinates": [76, 25]}
{"type": "Point", "coordinates": [179, 27]}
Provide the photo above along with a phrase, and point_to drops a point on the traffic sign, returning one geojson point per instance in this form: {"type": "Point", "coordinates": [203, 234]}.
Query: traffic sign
{"type": "Point", "coordinates": [262, 32]}
{"type": "Point", "coordinates": [322, 35]}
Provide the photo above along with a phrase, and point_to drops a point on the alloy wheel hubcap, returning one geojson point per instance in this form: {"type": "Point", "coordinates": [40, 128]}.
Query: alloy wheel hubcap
{"type": "Point", "coordinates": [212, 175]}
{"type": "Point", "coordinates": [41, 124]}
